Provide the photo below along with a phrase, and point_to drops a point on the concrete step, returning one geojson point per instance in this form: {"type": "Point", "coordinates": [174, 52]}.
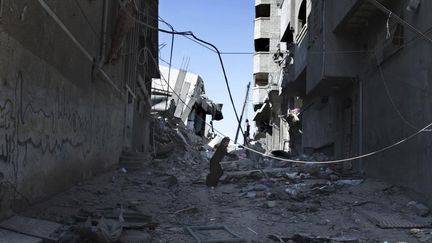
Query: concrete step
{"type": "Point", "coordinates": [132, 153]}
{"type": "Point", "coordinates": [7, 236]}
{"type": "Point", "coordinates": [133, 166]}
{"type": "Point", "coordinates": [129, 157]}
{"type": "Point", "coordinates": [131, 162]}
{"type": "Point", "coordinates": [46, 230]}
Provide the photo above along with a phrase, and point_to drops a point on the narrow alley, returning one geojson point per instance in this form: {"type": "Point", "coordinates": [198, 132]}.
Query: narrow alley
{"type": "Point", "coordinates": [259, 201]}
{"type": "Point", "coordinates": [127, 121]}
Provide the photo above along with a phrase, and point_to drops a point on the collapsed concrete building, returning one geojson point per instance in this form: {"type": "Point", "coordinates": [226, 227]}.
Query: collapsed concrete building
{"type": "Point", "coordinates": [183, 96]}
{"type": "Point", "coordinates": [359, 75]}
{"type": "Point", "coordinates": [75, 84]}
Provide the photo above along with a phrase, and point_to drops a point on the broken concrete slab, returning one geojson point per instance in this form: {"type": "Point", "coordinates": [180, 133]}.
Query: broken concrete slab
{"type": "Point", "coordinates": [7, 236]}
{"type": "Point", "coordinates": [218, 233]}
{"type": "Point", "coordinates": [391, 221]}
{"type": "Point", "coordinates": [135, 236]}
{"type": "Point", "coordinates": [418, 208]}
{"type": "Point", "coordinates": [43, 229]}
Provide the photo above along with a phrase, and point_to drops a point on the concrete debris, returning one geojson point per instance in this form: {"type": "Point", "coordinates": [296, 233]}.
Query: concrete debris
{"type": "Point", "coordinates": [349, 182]}
{"type": "Point", "coordinates": [422, 235]}
{"type": "Point", "coordinates": [171, 181]}
{"type": "Point", "coordinates": [106, 230]}
{"type": "Point", "coordinates": [271, 204]}
{"type": "Point", "coordinates": [300, 238]}
{"type": "Point", "coordinates": [7, 236]}
{"type": "Point", "coordinates": [43, 229]}
{"type": "Point", "coordinates": [159, 196]}
{"type": "Point", "coordinates": [134, 236]}
{"type": "Point", "coordinates": [418, 208]}
{"type": "Point", "coordinates": [214, 234]}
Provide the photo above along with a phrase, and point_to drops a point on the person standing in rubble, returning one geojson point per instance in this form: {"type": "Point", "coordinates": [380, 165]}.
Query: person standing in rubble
{"type": "Point", "coordinates": [171, 108]}
{"type": "Point", "coordinates": [294, 131]}
{"type": "Point", "coordinates": [246, 133]}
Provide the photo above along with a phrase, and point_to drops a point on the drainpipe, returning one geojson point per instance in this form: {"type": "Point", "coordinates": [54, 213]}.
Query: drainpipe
{"type": "Point", "coordinates": [104, 27]}
{"type": "Point", "coordinates": [360, 145]}
{"type": "Point", "coordinates": [323, 8]}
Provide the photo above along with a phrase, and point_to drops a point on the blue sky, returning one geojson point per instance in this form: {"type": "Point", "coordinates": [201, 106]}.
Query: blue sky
{"type": "Point", "coordinates": [228, 24]}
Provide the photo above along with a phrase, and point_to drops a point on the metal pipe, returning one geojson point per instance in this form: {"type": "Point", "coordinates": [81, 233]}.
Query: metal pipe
{"type": "Point", "coordinates": [1, 9]}
{"type": "Point", "coordinates": [323, 9]}
{"type": "Point", "coordinates": [241, 116]}
{"type": "Point", "coordinates": [104, 28]}
{"type": "Point", "coordinates": [360, 145]}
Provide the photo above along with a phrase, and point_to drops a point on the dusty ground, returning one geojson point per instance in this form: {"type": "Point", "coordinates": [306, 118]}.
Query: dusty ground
{"type": "Point", "coordinates": [243, 206]}
{"type": "Point", "coordinates": [252, 205]}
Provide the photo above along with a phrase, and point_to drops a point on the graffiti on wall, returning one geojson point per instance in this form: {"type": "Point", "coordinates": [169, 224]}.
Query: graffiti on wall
{"type": "Point", "coordinates": [53, 122]}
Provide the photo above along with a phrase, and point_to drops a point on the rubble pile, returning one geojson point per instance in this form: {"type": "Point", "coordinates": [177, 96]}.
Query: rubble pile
{"type": "Point", "coordinates": [257, 199]}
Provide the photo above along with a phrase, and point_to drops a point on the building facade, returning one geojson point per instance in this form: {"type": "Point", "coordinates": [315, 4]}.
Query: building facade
{"type": "Point", "coordinates": [183, 98]}
{"type": "Point", "coordinates": [363, 77]}
{"type": "Point", "coordinates": [74, 91]}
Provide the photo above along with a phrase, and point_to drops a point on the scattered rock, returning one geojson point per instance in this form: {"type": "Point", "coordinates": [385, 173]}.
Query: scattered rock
{"type": "Point", "coordinates": [418, 208]}
{"type": "Point", "coordinates": [271, 204]}
{"type": "Point", "coordinates": [135, 236]}
{"type": "Point", "coordinates": [354, 182]}
{"type": "Point", "coordinates": [171, 181]}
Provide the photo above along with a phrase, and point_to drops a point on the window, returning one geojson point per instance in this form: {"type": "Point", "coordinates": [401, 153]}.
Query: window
{"type": "Point", "coordinates": [261, 79]}
{"type": "Point", "coordinates": [262, 44]}
{"type": "Point", "coordinates": [262, 10]}
{"type": "Point", "coordinates": [302, 15]}
{"type": "Point", "coordinates": [288, 35]}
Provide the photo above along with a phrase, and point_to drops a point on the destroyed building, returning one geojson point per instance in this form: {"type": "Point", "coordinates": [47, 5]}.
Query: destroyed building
{"type": "Point", "coordinates": [359, 74]}
{"type": "Point", "coordinates": [75, 84]}
{"type": "Point", "coordinates": [98, 143]}
{"type": "Point", "coordinates": [182, 95]}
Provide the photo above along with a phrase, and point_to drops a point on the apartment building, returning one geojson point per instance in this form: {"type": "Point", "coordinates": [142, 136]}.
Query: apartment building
{"type": "Point", "coordinates": [361, 69]}
{"type": "Point", "coordinates": [266, 73]}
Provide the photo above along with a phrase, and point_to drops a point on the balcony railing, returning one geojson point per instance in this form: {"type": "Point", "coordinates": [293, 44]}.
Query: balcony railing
{"type": "Point", "coordinates": [258, 2]}
{"type": "Point", "coordinates": [262, 62]}
{"type": "Point", "coordinates": [300, 36]}
{"type": "Point", "coordinates": [262, 27]}
{"type": "Point", "coordinates": [259, 94]}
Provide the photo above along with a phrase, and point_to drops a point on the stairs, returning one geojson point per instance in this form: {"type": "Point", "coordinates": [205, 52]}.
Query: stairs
{"type": "Point", "coordinates": [134, 160]}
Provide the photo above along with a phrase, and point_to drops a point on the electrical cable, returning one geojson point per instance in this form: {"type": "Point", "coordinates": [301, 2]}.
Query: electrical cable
{"type": "Point", "coordinates": [171, 55]}
{"type": "Point", "coordinates": [399, 19]}
{"type": "Point", "coordinates": [86, 19]}
{"type": "Point", "coordinates": [391, 98]}
{"type": "Point", "coordinates": [190, 33]}
{"type": "Point", "coordinates": [274, 157]}
{"type": "Point", "coordinates": [305, 161]}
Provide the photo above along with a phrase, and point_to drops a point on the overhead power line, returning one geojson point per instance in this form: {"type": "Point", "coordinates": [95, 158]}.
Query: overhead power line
{"type": "Point", "coordinates": [188, 33]}
{"type": "Point", "coordinates": [304, 161]}
{"type": "Point", "coordinates": [399, 20]}
{"type": "Point", "coordinates": [191, 34]}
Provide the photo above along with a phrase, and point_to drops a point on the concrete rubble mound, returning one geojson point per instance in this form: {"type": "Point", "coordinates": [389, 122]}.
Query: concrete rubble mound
{"type": "Point", "coordinates": [256, 199]}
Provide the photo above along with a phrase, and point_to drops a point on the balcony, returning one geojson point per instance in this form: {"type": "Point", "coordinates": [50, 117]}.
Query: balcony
{"type": "Point", "coordinates": [259, 95]}
{"type": "Point", "coordinates": [258, 2]}
{"type": "Point", "coordinates": [353, 15]}
{"type": "Point", "coordinates": [300, 51]}
{"type": "Point", "coordinates": [263, 62]}
{"type": "Point", "coordinates": [262, 28]}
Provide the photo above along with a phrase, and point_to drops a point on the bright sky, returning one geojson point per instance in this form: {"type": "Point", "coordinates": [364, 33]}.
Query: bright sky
{"type": "Point", "coordinates": [228, 24]}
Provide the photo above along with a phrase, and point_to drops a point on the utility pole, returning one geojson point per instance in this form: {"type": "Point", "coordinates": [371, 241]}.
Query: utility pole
{"type": "Point", "coordinates": [241, 116]}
